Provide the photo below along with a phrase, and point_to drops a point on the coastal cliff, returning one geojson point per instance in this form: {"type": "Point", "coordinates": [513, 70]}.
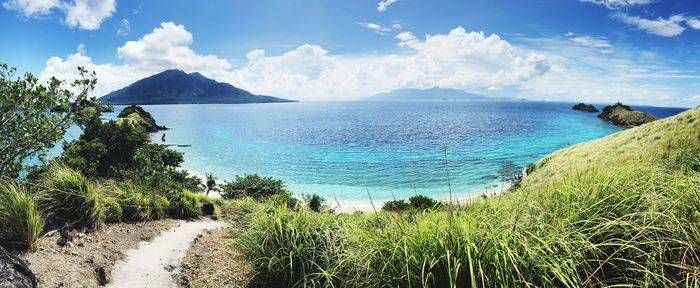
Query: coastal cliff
{"type": "Point", "coordinates": [623, 115]}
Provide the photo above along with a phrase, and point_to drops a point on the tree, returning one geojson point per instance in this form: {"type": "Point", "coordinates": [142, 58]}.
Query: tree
{"type": "Point", "coordinates": [252, 186]}
{"type": "Point", "coordinates": [210, 184]}
{"type": "Point", "coordinates": [28, 128]}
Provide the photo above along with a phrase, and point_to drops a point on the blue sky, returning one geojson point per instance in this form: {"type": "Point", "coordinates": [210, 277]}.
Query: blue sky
{"type": "Point", "coordinates": [637, 51]}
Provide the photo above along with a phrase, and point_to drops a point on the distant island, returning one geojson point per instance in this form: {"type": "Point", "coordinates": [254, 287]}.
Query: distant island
{"type": "Point", "coordinates": [623, 115]}
{"type": "Point", "coordinates": [178, 87]}
{"type": "Point", "coordinates": [410, 94]}
{"type": "Point", "coordinates": [585, 108]}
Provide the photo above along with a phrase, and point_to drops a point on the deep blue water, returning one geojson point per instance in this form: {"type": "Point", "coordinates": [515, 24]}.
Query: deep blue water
{"type": "Point", "coordinates": [392, 149]}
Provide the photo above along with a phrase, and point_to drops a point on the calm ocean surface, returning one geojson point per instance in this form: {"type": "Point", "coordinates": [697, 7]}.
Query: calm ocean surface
{"type": "Point", "coordinates": [392, 149]}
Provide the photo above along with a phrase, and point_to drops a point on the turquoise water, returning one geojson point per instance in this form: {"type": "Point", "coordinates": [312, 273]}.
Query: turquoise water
{"type": "Point", "coordinates": [392, 149]}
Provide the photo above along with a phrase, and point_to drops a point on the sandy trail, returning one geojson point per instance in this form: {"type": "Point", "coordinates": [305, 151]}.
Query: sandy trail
{"type": "Point", "coordinates": [157, 263]}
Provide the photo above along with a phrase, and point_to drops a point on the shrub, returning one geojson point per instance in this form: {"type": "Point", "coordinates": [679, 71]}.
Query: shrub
{"type": "Point", "coordinates": [315, 202]}
{"type": "Point", "coordinates": [284, 199]}
{"type": "Point", "coordinates": [20, 220]}
{"type": "Point", "coordinates": [418, 202]}
{"type": "Point", "coordinates": [68, 197]}
{"type": "Point", "coordinates": [114, 212]}
{"type": "Point", "coordinates": [396, 205]}
{"type": "Point", "coordinates": [142, 206]}
{"type": "Point", "coordinates": [186, 205]}
{"type": "Point", "coordinates": [252, 185]}
{"type": "Point", "coordinates": [295, 249]}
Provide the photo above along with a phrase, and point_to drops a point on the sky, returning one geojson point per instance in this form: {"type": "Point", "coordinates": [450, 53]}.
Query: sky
{"type": "Point", "coordinates": [635, 51]}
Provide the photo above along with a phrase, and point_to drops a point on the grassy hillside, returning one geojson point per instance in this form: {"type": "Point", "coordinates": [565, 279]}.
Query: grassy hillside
{"type": "Point", "coordinates": [621, 211]}
{"type": "Point", "coordinates": [670, 144]}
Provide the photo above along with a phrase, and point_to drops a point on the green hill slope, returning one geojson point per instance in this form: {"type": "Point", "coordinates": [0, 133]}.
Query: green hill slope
{"type": "Point", "coordinates": [672, 144]}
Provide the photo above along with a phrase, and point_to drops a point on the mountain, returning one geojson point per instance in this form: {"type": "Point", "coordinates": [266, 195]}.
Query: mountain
{"type": "Point", "coordinates": [178, 87]}
{"type": "Point", "coordinates": [410, 94]}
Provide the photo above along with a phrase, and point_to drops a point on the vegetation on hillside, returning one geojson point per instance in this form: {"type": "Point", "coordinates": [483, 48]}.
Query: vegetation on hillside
{"type": "Point", "coordinates": [623, 210]}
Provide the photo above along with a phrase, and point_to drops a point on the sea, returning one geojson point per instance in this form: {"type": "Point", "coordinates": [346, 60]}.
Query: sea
{"type": "Point", "coordinates": [351, 152]}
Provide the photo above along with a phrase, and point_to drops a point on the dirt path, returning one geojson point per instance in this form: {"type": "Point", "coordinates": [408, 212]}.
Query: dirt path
{"type": "Point", "coordinates": [88, 261]}
{"type": "Point", "coordinates": [157, 263]}
{"type": "Point", "coordinates": [213, 261]}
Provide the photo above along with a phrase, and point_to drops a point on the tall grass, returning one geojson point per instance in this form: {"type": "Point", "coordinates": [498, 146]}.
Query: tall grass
{"type": "Point", "coordinates": [67, 197]}
{"type": "Point", "coordinates": [634, 228]}
{"type": "Point", "coordinates": [20, 221]}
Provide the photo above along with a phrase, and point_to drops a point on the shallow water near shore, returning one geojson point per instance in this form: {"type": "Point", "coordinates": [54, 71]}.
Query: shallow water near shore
{"type": "Point", "coordinates": [392, 150]}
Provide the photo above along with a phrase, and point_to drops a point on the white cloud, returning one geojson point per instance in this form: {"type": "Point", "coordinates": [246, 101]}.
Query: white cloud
{"type": "Point", "coordinates": [406, 36]}
{"type": "Point", "coordinates": [88, 14]}
{"type": "Point", "coordinates": [460, 59]}
{"type": "Point", "coordinates": [30, 8]}
{"type": "Point", "coordinates": [166, 47]}
{"type": "Point", "coordinates": [694, 23]}
{"type": "Point", "coordinates": [662, 27]}
{"type": "Point", "coordinates": [383, 5]}
{"type": "Point", "coordinates": [588, 41]}
{"type": "Point", "coordinates": [124, 28]}
{"type": "Point", "coordinates": [84, 14]}
{"type": "Point", "coordinates": [379, 29]}
{"type": "Point", "coordinates": [616, 4]}
{"type": "Point", "coordinates": [536, 68]}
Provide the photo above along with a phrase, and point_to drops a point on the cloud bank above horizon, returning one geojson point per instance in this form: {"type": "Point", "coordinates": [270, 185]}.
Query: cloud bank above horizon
{"type": "Point", "coordinates": [548, 69]}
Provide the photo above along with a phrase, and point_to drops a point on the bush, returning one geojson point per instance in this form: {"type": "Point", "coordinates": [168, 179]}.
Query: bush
{"type": "Point", "coordinates": [253, 186]}
{"type": "Point", "coordinates": [114, 212]}
{"type": "Point", "coordinates": [20, 220]}
{"type": "Point", "coordinates": [284, 199]}
{"type": "Point", "coordinates": [67, 197]}
{"type": "Point", "coordinates": [140, 206]}
{"type": "Point", "coordinates": [187, 205]}
{"type": "Point", "coordinates": [396, 205]}
{"type": "Point", "coordinates": [315, 202]}
{"type": "Point", "coordinates": [418, 202]}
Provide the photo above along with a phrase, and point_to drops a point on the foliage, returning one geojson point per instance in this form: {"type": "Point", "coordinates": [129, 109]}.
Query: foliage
{"type": "Point", "coordinates": [138, 116]}
{"type": "Point", "coordinates": [418, 202]}
{"type": "Point", "coordinates": [621, 211]}
{"type": "Point", "coordinates": [187, 204]}
{"type": "Point", "coordinates": [20, 220]}
{"type": "Point", "coordinates": [114, 213]}
{"type": "Point", "coordinates": [252, 185]}
{"type": "Point", "coordinates": [315, 202]}
{"type": "Point", "coordinates": [210, 184]}
{"type": "Point", "coordinates": [104, 149]}
{"type": "Point", "coordinates": [27, 127]}
{"type": "Point", "coordinates": [67, 197]}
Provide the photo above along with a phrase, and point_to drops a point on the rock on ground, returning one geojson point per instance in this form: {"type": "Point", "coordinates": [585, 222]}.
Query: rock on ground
{"type": "Point", "coordinates": [14, 273]}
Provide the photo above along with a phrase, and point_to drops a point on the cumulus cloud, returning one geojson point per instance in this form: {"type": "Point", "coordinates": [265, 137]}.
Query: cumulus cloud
{"type": "Point", "coordinates": [30, 8]}
{"type": "Point", "coordinates": [166, 47]}
{"type": "Point", "coordinates": [543, 68]}
{"type": "Point", "coordinates": [124, 28]}
{"type": "Point", "coordinates": [383, 5]}
{"type": "Point", "coordinates": [84, 14]}
{"type": "Point", "coordinates": [616, 4]}
{"type": "Point", "coordinates": [459, 59]}
{"type": "Point", "coordinates": [694, 23]}
{"type": "Point", "coordinates": [670, 27]}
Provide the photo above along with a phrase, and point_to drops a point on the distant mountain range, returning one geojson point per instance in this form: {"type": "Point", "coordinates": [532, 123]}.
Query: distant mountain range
{"type": "Point", "coordinates": [178, 87]}
{"type": "Point", "coordinates": [410, 94]}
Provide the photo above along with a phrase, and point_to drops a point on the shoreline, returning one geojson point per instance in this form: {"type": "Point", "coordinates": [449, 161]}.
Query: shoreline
{"type": "Point", "coordinates": [365, 205]}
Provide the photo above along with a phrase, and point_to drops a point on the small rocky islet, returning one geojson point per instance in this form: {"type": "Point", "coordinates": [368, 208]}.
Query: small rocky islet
{"type": "Point", "coordinates": [618, 114]}
{"type": "Point", "coordinates": [585, 107]}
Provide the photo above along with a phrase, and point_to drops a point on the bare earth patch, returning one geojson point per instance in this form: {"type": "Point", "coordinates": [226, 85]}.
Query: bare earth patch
{"type": "Point", "coordinates": [213, 261]}
{"type": "Point", "coordinates": [89, 261]}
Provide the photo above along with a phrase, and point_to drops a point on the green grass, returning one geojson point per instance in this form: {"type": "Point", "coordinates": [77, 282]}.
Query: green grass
{"type": "Point", "coordinates": [621, 211]}
{"type": "Point", "coordinates": [67, 197]}
{"type": "Point", "coordinates": [20, 221]}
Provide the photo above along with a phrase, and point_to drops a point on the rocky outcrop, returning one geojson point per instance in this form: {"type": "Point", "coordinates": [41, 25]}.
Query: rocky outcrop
{"type": "Point", "coordinates": [623, 115]}
{"type": "Point", "coordinates": [14, 273]}
{"type": "Point", "coordinates": [585, 107]}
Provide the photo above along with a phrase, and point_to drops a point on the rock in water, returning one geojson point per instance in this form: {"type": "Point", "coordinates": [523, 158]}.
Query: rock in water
{"type": "Point", "coordinates": [14, 273]}
{"type": "Point", "coordinates": [585, 107]}
{"type": "Point", "coordinates": [623, 115]}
